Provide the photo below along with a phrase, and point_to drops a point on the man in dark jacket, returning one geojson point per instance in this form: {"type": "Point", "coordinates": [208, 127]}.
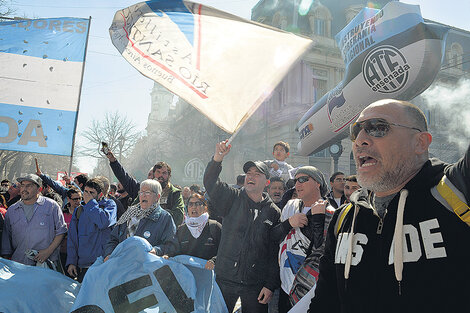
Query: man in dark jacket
{"type": "Point", "coordinates": [171, 199]}
{"type": "Point", "coordinates": [246, 265]}
{"type": "Point", "coordinates": [401, 245]}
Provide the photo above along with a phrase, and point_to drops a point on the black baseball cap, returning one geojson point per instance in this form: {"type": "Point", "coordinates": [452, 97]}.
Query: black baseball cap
{"type": "Point", "coordinates": [263, 168]}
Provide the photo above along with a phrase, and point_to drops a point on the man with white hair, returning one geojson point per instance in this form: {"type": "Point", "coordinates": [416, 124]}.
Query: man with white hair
{"type": "Point", "coordinates": [148, 220]}
{"type": "Point", "coordinates": [402, 243]}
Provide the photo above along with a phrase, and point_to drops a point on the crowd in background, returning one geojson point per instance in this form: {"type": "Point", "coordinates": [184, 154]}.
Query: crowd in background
{"type": "Point", "coordinates": [91, 216]}
{"type": "Point", "coordinates": [279, 232]}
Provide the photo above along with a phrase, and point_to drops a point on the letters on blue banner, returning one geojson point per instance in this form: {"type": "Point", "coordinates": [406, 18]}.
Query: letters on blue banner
{"type": "Point", "coordinates": [133, 280]}
{"type": "Point", "coordinates": [41, 64]}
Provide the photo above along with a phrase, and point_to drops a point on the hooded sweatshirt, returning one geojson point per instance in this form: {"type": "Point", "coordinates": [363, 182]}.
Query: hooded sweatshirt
{"type": "Point", "coordinates": [431, 274]}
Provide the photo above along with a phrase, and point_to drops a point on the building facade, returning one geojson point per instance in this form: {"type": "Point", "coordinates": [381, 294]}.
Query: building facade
{"type": "Point", "coordinates": [188, 138]}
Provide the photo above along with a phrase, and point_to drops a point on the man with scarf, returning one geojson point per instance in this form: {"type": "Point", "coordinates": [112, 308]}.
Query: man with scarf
{"type": "Point", "coordinates": [147, 220]}
{"type": "Point", "coordinates": [170, 200]}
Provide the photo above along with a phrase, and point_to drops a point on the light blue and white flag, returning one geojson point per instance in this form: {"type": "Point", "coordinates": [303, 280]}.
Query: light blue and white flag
{"type": "Point", "coordinates": [133, 280]}
{"type": "Point", "coordinates": [221, 64]}
{"type": "Point", "coordinates": [41, 65]}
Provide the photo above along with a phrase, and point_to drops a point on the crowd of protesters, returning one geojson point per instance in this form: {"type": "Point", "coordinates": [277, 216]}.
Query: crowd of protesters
{"type": "Point", "coordinates": [279, 232]}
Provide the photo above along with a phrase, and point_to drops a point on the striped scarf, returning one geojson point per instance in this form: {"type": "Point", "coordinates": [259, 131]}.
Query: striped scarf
{"type": "Point", "coordinates": [137, 212]}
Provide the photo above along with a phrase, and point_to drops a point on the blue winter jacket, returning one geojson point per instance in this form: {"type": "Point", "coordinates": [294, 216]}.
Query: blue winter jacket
{"type": "Point", "coordinates": [89, 233]}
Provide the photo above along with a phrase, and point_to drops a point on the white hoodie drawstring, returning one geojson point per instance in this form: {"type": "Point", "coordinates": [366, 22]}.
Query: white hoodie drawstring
{"type": "Point", "coordinates": [398, 239]}
{"type": "Point", "coordinates": [347, 266]}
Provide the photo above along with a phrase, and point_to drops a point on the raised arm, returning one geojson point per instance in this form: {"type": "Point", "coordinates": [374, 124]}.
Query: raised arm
{"type": "Point", "coordinates": [220, 194]}
{"type": "Point", "coordinates": [130, 184]}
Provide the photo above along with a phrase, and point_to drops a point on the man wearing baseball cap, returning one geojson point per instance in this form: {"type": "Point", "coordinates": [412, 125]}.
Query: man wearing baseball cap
{"type": "Point", "coordinates": [246, 264]}
{"type": "Point", "coordinates": [33, 223]}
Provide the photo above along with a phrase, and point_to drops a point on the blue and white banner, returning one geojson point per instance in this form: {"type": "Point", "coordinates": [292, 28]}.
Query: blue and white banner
{"type": "Point", "coordinates": [25, 288]}
{"type": "Point", "coordinates": [221, 64]}
{"type": "Point", "coordinates": [41, 65]}
{"type": "Point", "coordinates": [133, 280]}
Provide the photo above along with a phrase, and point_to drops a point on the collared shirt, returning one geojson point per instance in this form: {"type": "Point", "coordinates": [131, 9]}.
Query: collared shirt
{"type": "Point", "coordinates": [19, 234]}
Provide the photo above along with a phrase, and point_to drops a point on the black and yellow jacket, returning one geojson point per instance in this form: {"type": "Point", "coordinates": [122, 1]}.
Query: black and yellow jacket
{"type": "Point", "coordinates": [365, 269]}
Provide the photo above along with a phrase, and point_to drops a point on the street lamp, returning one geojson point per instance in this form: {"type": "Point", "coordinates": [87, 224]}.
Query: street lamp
{"type": "Point", "coordinates": [336, 150]}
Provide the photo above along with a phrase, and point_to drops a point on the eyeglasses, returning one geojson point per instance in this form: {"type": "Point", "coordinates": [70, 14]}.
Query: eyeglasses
{"type": "Point", "coordinates": [198, 203]}
{"type": "Point", "coordinates": [146, 193]}
{"type": "Point", "coordinates": [76, 199]}
{"type": "Point", "coordinates": [375, 127]}
{"type": "Point", "coordinates": [301, 179]}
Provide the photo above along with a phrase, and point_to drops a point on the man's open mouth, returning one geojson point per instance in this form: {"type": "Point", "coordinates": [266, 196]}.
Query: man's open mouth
{"type": "Point", "coordinates": [365, 161]}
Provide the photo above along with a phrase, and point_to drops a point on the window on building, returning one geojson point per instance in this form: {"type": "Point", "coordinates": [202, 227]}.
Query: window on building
{"type": "Point", "coordinates": [320, 20]}
{"type": "Point", "coordinates": [455, 57]}
{"type": "Point", "coordinates": [319, 88]}
{"type": "Point", "coordinates": [320, 27]}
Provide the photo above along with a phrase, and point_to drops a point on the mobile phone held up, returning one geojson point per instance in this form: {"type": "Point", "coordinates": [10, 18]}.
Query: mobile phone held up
{"type": "Point", "coordinates": [104, 147]}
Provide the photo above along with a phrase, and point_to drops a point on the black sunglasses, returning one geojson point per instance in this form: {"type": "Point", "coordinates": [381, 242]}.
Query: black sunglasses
{"type": "Point", "coordinates": [375, 127]}
{"type": "Point", "coordinates": [301, 179]}
{"type": "Point", "coordinates": [198, 203]}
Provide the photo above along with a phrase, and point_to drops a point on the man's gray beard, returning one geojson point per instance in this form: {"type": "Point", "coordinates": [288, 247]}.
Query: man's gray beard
{"type": "Point", "coordinates": [389, 180]}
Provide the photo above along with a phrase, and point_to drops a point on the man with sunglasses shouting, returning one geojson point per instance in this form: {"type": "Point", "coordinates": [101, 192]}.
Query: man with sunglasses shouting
{"type": "Point", "coordinates": [246, 264]}
{"type": "Point", "coordinates": [402, 245]}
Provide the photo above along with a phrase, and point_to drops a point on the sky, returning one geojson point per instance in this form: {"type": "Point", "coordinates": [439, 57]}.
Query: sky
{"type": "Point", "coordinates": [110, 83]}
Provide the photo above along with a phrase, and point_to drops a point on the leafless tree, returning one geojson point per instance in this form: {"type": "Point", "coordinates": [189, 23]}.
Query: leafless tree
{"type": "Point", "coordinates": [116, 130]}
{"type": "Point", "coordinates": [5, 9]}
{"type": "Point", "coordinates": [13, 164]}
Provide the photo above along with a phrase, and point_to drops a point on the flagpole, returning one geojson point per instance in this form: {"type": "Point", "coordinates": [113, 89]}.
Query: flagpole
{"type": "Point", "coordinates": [234, 135]}
{"type": "Point", "coordinates": [79, 95]}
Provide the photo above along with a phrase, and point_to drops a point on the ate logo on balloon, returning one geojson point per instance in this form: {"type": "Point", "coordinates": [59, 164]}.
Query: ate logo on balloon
{"type": "Point", "coordinates": [385, 69]}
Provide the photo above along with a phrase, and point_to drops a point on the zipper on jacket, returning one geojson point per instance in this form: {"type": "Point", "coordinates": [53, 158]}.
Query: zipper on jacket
{"type": "Point", "coordinates": [380, 226]}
